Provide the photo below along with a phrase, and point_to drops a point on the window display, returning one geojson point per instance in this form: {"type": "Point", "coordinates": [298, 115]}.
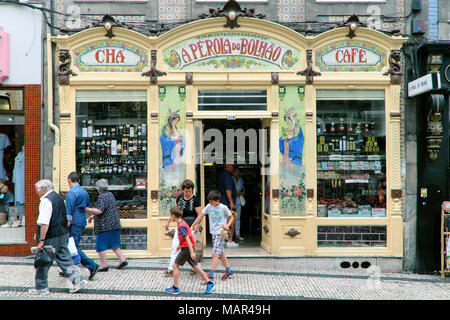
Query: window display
{"type": "Point", "coordinates": [351, 153]}
{"type": "Point", "coordinates": [12, 182]}
{"type": "Point", "coordinates": [112, 144]}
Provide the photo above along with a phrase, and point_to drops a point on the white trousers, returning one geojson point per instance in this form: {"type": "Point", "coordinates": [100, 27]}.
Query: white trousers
{"type": "Point", "coordinates": [174, 253]}
{"type": "Point", "coordinates": [237, 225]}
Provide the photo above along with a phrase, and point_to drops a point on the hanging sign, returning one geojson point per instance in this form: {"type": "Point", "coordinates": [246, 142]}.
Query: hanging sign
{"type": "Point", "coordinates": [431, 81]}
{"type": "Point", "coordinates": [231, 50]}
{"type": "Point", "coordinates": [110, 56]}
{"type": "Point", "coordinates": [4, 55]}
{"type": "Point", "coordinates": [350, 56]}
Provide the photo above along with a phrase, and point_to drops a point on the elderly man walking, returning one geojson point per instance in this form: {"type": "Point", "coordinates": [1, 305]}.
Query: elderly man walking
{"type": "Point", "coordinates": [52, 230]}
{"type": "Point", "coordinates": [77, 199]}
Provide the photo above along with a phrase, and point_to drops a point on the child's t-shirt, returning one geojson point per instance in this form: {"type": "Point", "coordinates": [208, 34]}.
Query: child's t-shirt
{"type": "Point", "coordinates": [218, 216]}
{"type": "Point", "coordinates": [183, 231]}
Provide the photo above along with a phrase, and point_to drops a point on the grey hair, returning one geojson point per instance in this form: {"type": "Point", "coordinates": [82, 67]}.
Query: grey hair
{"type": "Point", "coordinates": [102, 185]}
{"type": "Point", "coordinates": [44, 184]}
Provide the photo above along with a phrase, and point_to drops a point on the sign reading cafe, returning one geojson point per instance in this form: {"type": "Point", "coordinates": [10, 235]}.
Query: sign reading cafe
{"type": "Point", "coordinates": [231, 50]}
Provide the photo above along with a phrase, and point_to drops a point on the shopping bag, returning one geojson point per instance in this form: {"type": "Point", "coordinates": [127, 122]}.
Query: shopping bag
{"type": "Point", "coordinates": [42, 259]}
{"type": "Point", "coordinates": [72, 247]}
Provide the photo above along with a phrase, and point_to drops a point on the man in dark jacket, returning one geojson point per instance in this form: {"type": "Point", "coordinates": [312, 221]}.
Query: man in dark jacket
{"type": "Point", "coordinates": [52, 230]}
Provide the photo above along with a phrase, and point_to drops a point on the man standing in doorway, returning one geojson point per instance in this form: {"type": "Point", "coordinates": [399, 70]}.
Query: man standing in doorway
{"type": "Point", "coordinates": [227, 188]}
{"type": "Point", "coordinates": [77, 199]}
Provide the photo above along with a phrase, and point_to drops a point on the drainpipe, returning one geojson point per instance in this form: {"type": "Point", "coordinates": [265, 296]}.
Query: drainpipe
{"type": "Point", "coordinates": [56, 146]}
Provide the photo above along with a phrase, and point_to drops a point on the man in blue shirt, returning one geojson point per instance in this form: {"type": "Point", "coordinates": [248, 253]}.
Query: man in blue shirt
{"type": "Point", "coordinates": [227, 188]}
{"type": "Point", "coordinates": [77, 199]}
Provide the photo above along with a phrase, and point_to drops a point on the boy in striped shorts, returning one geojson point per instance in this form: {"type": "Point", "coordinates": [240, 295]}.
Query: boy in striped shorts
{"type": "Point", "coordinates": [220, 218]}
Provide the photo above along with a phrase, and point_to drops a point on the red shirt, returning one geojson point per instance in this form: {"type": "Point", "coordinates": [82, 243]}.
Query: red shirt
{"type": "Point", "coordinates": [183, 231]}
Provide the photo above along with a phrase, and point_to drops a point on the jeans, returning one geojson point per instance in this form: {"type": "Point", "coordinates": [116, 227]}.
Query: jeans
{"type": "Point", "coordinates": [76, 232]}
{"type": "Point", "coordinates": [63, 259]}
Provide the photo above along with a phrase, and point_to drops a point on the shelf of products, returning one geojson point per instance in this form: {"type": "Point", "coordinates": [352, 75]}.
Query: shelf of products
{"type": "Point", "coordinates": [351, 161]}
{"type": "Point", "coordinates": [113, 147]}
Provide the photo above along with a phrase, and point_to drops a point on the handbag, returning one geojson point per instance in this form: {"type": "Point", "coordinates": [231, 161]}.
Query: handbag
{"type": "Point", "coordinates": [42, 259]}
{"type": "Point", "coordinates": [242, 201]}
{"type": "Point", "coordinates": [72, 247]}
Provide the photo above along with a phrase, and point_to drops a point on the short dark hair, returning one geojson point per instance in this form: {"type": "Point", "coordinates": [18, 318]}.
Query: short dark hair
{"type": "Point", "coordinates": [177, 212]}
{"type": "Point", "coordinates": [214, 195]}
{"type": "Point", "coordinates": [74, 176]}
{"type": "Point", "coordinates": [187, 184]}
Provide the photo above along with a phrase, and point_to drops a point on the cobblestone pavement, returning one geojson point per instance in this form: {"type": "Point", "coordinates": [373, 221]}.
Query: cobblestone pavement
{"type": "Point", "coordinates": [143, 279]}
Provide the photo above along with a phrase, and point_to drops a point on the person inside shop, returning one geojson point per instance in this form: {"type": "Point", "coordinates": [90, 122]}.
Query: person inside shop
{"type": "Point", "coordinates": [6, 198]}
{"type": "Point", "coordinates": [240, 202]}
{"type": "Point", "coordinates": [227, 188]}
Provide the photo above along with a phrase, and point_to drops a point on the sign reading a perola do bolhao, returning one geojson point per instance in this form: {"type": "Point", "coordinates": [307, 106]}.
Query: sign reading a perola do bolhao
{"type": "Point", "coordinates": [350, 56]}
{"type": "Point", "coordinates": [110, 56]}
{"type": "Point", "coordinates": [231, 50]}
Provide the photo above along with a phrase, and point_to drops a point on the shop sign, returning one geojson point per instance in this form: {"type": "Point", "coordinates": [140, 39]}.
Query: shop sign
{"type": "Point", "coordinates": [350, 56]}
{"type": "Point", "coordinates": [110, 56]}
{"type": "Point", "coordinates": [4, 55]}
{"type": "Point", "coordinates": [231, 50]}
{"type": "Point", "coordinates": [431, 81]}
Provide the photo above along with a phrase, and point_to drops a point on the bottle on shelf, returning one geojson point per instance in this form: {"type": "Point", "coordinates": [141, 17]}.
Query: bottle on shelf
{"type": "Point", "coordinates": [84, 130]}
{"type": "Point", "coordinates": [90, 129]}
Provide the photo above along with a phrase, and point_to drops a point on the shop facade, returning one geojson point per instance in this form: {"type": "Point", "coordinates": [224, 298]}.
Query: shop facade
{"type": "Point", "coordinates": [20, 127]}
{"type": "Point", "coordinates": [315, 119]}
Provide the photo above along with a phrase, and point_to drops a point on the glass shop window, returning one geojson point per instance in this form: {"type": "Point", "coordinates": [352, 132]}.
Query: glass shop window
{"type": "Point", "coordinates": [111, 143]}
{"type": "Point", "coordinates": [224, 100]}
{"type": "Point", "coordinates": [12, 166]}
{"type": "Point", "coordinates": [351, 153]}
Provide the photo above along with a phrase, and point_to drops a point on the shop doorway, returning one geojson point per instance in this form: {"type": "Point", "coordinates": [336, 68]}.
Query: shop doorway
{"type": "Point", "coordinates": [211, 159]}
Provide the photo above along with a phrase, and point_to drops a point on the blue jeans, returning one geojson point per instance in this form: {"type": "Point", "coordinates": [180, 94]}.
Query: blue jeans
{"type": "Point", "coordinates": [76, 232]}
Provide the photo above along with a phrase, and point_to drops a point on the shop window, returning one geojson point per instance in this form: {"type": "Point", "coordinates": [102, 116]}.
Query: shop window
{"type": "Point", "coordinates": [351, 153]}
{"type": "Point", "coordinates": [225, 100]}
{"type": "Point", "coordinates": [111, 143]}
{"type": "Point", "coordinates": [12, 165]}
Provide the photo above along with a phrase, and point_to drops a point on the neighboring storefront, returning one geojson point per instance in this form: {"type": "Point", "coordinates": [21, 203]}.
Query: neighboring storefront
{"type": "Point", "coordinates": [20, 127]}
{"type": "Point", "coordinates": [430, 93]}
{"type": "Point", "coordinates": [147, 112]}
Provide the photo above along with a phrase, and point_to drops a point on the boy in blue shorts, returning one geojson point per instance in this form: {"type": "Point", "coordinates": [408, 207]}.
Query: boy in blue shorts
{"type": "Point", "coordinates": [186, 253]}
{"type": "Point", "coordinates": [220, 218]}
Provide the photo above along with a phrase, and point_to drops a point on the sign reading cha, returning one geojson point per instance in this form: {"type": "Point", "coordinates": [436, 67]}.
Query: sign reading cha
{"type": "Point", "coordinates": [247, 46]}
{"type": "Point", "coordinates": [110, 56]}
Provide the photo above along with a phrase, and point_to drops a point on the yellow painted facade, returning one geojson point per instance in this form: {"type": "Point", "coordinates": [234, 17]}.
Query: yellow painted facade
{"type": "Point", "coordinates": [276, 241]}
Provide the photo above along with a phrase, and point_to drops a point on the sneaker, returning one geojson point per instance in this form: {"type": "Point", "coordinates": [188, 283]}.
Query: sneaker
{"type": "Point", "coordinates": [77, 287]}
{"type": "Point", "coordinates": [203, 283]}
{"type": "Point", "coordinates": [171, 290]}
{"type": "Point", "coordinates": [232, 244]}
{"type": "Point", "coordinates": [94, 272]}
{"type": "Point", "coordinates": [209, 287]}
{"type": "Point", "coordinates": [227, 275]}
{"type": "Point", "coordinates": [39, 291]}
{"type": "Point", "coordinates": [240, 238]}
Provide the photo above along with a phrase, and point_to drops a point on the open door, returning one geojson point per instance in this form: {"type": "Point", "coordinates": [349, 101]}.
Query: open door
{"type": "Point", "coordinates": [264, 144]}
{"type": "Point", "coordinates": [199, 170]}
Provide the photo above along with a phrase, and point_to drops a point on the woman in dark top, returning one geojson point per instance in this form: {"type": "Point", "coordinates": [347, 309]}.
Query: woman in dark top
{"type": "Point", "coordinates": [191, 206]}
{"type": "Point", "coordinates": [106, 225]}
